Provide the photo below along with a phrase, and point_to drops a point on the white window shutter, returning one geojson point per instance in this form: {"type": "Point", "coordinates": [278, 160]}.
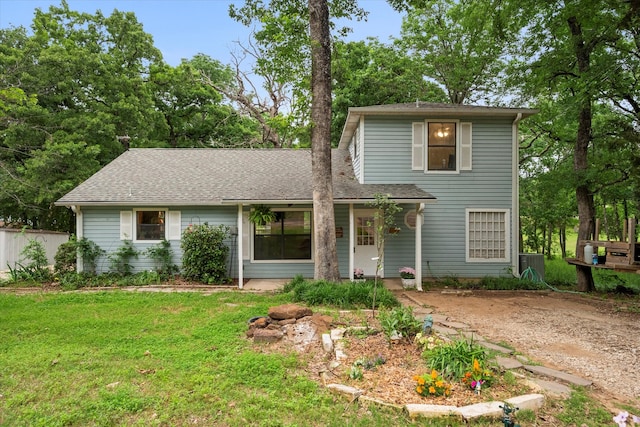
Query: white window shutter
{"type": "Point", "coordinates": [246, 236]}
{"type": "Point", "coordinates": [174, 225]}
{"type": "Point", "coordinates": [126, 225]}
{"type": "Point", "coordinates": [466, 151]}
{"type": "Point", "coordinates": [417, 147]}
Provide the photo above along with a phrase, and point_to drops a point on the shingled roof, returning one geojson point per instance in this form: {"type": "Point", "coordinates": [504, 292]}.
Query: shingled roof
{"type": "Point", "coordinates": [202, 177]}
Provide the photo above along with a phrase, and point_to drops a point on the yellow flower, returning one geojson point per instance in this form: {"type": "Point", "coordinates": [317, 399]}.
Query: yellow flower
{"type": "Point", "coordinates": [439, 383]}
{"type": "Point", "coordinates": [432, 390]}
{"type": "Point", "coordinates": [419, 389]}
{"type": "Point", "coordinates": [421, 380]}
{"type": "Point", "coordinates": [434, 374]}
{"type": "Point", "coordinates": [476, 365]}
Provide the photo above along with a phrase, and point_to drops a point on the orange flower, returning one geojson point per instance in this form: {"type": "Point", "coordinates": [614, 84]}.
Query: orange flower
{"type": "Point", "coordinates": [434, 374]}
{"type": "Point", "coordinates": [439, 383]}
{"type": "Point", "coordinates": [421, 380]}
{"type": "Point", "coordinates": [432, 390]}
{"type": "Point", "coordinates": [419, 389]}
{"type": "Point", "coordinates": [476, 365]}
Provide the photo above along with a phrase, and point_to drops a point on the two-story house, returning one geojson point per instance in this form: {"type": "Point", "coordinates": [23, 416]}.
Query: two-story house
{"type": "Point", "coordinates": [452, 168]}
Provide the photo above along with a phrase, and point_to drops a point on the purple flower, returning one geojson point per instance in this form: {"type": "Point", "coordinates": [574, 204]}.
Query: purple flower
{"type": "Point", "coordinates": [621, 419]}
{"type": "Point", "coordinates": [407, 273]}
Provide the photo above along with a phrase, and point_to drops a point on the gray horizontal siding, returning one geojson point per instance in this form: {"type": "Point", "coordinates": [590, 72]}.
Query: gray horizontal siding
{"type": "Point", "coordinates": [102, 226]}
{"type": "Point", "coordinates": [387, 159]}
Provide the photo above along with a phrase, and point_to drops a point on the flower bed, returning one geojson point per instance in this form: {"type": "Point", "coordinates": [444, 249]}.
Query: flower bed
{"type": "Point", "coordinates": [394, 382]}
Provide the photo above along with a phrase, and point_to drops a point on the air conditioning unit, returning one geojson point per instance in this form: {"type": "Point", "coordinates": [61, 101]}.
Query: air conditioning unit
{"type": "Point", "coordinates": [535, 261]}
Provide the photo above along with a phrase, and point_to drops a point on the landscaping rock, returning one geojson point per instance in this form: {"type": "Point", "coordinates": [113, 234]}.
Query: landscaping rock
{"type": "Point", "coordinates": [267, 335]}
{"type": "Point", "coordinates": [327, 343]}
{"type": "Point", "coordinates": [484, 409]}
{"type": "Point", "coordinates": [563, 376]}
{"type": "Point", "coordinates": [261, 322]}
{"type": "Point", "coordinates": [351, 392]}
{"type": "Point", "coordinates": [531, 402]}
{"type": "Point", "coordinates": [289, 311]}
{"type": "Point", "coordinates": [430, 411]}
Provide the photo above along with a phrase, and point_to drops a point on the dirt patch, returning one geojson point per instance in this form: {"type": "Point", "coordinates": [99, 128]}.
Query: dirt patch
{"type": "Point", "coordinates": [591, 336]}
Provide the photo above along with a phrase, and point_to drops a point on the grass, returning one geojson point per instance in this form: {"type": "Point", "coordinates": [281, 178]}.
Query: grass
{"type": "Point", "coordinates": [134, 359]}
{"type": "Point", "coordinates": [346, 295]}
{"type": "Point", "coordinates": [119, 358]}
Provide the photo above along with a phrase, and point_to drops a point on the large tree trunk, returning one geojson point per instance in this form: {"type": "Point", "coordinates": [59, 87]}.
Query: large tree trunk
{"type": "Point", "coordinates": [326, 256]}
{"type": "Point", "coordinates": [584, 197]}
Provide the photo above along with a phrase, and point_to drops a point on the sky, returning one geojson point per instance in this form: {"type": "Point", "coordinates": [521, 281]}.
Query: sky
{"type": "Point", "coordinates": [184, 28]}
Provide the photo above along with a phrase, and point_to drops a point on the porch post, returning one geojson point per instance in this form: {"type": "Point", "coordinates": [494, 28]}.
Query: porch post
{"type": "Point", "coordinates": [79, 236]}
{"type": "Point", "coordinates": [418, 264]}
{"type": "Point", "coordinates": [239, 240]}
{"type": "Point", "coordinates": [352, 241]}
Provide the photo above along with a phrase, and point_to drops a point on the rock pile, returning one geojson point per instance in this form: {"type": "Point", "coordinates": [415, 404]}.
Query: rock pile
{"type": "Point", "coordinates": [291, 322]}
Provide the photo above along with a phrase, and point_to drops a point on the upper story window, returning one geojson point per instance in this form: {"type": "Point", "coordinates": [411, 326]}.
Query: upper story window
{"type": "Point", "coordinates": [441, 146]}
{"type": "Point", "coordinates": [441, 153]}
{"type": "Point", "coordinates": [286, 238]}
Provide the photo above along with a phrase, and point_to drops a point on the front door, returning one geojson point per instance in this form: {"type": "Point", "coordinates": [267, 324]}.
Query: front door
{"type": "Point", "coordinates": [365, 240]}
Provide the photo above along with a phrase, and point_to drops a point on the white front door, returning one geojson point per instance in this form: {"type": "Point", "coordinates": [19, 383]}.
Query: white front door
{"type": "Point", "coordinates": [365, 242]}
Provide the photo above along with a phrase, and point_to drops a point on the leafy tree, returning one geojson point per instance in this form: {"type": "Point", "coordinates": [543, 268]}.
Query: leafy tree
{"type": "Point", "coordinates": [567, 57]}
{"type": "Point", "coordinates": [87, 74]}
{"type": "Point", "coordinates": [194, 111]}
{"type": "Point", "coordinates": [461, 44]}
{"type": "Point", "coordinates": [280, 51]}
{"type": "Point", "coordinates": [371, 73]}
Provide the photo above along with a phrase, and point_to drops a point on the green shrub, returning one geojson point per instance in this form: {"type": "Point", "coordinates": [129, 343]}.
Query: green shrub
{"type": "Point", "coordinates": [90, 253]}
{"type": "Point", "coordinates": [35, 266]}
{"type": "Point", "coordinates": [162, 255]}
{"type": "Point", "coordinates": [67, 255]}
{"type": "Point", "coordinates": [400, 321]}
{"type": "Point", "coordinates": [121, 259]}
{"type": "Point", "coordinates": [65, 258]}
{"type": "Point", "coordinates": [343, 295]}
{"type": "Point", "coordinates": [453, 359]}
{"type": "Point", "coordinates": [204, 253]}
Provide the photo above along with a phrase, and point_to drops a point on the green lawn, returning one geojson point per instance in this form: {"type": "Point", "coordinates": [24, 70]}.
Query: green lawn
{"type": "Point", "coordinates": [167, 359]}
{"type": "Point", "coordinates": [119, 358]}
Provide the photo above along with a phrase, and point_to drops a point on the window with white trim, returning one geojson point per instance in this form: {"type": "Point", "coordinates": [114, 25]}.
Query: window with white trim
{"type": "Point", "coordinates": [441, 146]}
{"type": "Point", "coordinates": [487, 235]}
{"type": "Point", "coordinates": [150, 225]}
{"type": "Point", "coordinates": [286, 238]}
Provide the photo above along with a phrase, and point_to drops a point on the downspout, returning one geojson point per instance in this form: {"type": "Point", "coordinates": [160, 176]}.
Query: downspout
{"type": "Point", "coordinates": [240, 248]}
{"type": "Point", "coordinates": [515, 197]}
{"type": "Point", "coordinates": [79, 235]}
{"type": "Point", "coordinates": [418, 238]}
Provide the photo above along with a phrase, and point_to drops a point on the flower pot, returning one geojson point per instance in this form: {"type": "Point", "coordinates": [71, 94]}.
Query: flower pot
{"type": "Point", "coordinates": [408, 283]}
